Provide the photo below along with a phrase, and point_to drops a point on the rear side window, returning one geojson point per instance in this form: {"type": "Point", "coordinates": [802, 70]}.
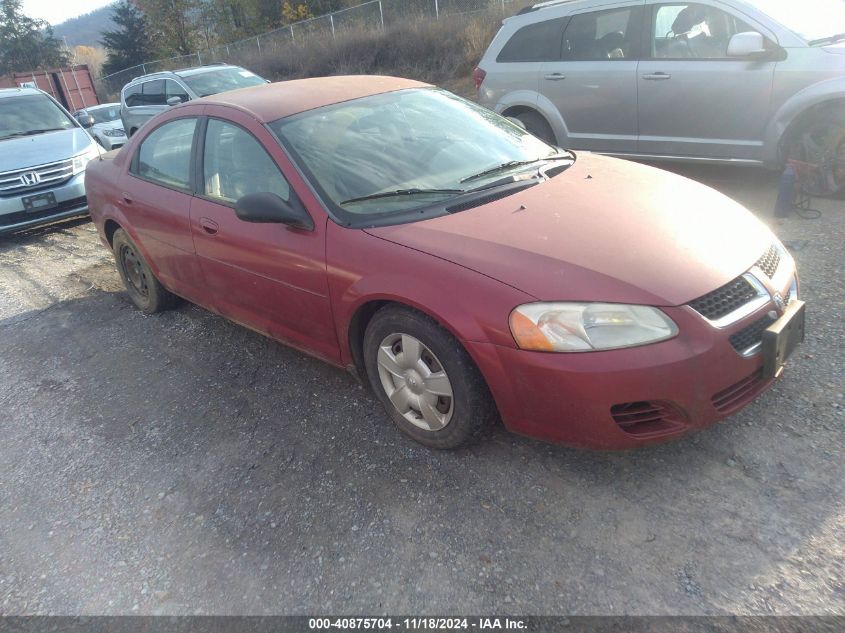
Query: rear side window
{"type": "Point", "coordinates": [164, 156]}
{"type": "Point", "coordinates": [132, 96]}
{"type": "Point", "coordinates": [603, 35]}
{"type": "Point", "coordinates": [537, 42]}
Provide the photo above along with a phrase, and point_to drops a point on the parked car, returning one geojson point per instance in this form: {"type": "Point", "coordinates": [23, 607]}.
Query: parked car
{"type": "Point", "coordinates": [732, 81]}
{"type": "Point", "coordinates": [43, 155]}
{"type": "Point", "coordinates": [144, 97]}
{"type": "Point", "coordinates": [462, 266]}
{"type": "Point", "coordinates": [107, 129]}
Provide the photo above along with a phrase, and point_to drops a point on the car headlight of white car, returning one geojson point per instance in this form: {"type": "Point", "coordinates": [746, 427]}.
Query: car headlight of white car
{"type": "Point", "coordinates": [584, 327]}
{"type": "Point", "coordinates": [114, 132]}
{"type": "Point", "coordinates": [80, 161]}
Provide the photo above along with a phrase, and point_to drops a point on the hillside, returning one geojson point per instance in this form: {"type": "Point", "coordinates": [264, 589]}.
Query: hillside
{"type": "Point", "coordinates": [86, 28]}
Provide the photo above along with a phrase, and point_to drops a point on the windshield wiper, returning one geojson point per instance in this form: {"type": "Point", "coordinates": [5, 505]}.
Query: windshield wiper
{"type": "Point", "coordinates": [33, 132]}
{"type": "Point", "coordinates": [513, 163]}
{"type": "Point", "coordinates": [401, 192]}
{"type": "Point", "coordinates": [831, 39]}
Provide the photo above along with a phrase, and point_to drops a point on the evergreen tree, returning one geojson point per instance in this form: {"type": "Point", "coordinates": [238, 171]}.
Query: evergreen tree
{"type": "Point", "coordinates": [129, 44]}
{"type": "Point", "coordinates": [26, 43]}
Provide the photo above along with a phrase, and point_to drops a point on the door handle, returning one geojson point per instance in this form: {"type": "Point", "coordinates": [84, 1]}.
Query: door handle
{"type": "Point", "coordinates": [209, 226]}
{"type": "Point", "coordinates": [656, 76]}
{"type": "Point", "coordinates": [554, 76]}
{"type": "Point", "coordinates": [127, 198]}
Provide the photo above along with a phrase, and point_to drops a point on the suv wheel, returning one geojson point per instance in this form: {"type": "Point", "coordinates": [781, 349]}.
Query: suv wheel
{"type": "Point", "coordinates": [821, 143]}
{"type": "Point", "coordinates": [538, 126]}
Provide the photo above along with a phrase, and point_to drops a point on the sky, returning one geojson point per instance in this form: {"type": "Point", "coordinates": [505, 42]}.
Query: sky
{"type": "Point", "coordinates": [57, 11]}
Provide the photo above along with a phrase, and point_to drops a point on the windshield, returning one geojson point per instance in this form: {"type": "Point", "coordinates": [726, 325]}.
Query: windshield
{"type": "Point", "coordinates": [105, 115]}
{"type": "Point", "coordinates": [397, 151]}
{"type": "Point", "coordinates": [812, 20]}
{"type": "Point", "coordinates": [213, 81]}
{"type": "Point", "coordinates": [26, 115]}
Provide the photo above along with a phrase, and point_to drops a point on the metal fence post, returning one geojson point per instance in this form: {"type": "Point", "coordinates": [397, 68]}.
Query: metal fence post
{"type": "Point", "coordinates": [436, 10]}
{"type": "Point", "coordinates": [292, 38]}
{"type": "Point", "coordinates": [331, 19]}
{"type": "Point", "coordinates": [503, 7]}
{"type": "Point", "coordinates": [381, 14]}
{"type": "Point", "coordinates": [144, 68]}
{"type": "Point", "coordinates": [199, 59]}
{"type": "Point", "coordinates": [258, 43]}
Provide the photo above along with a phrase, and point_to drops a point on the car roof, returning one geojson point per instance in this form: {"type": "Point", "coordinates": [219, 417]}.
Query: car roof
{"type": "Point", "coordinates": [101, 105]}
{"type": "Point", "coordinates": [14, 92]}
{"type": "Point", "coordinates": [181, 72]}
{"type": "Point", "coordinates": [269, 102]}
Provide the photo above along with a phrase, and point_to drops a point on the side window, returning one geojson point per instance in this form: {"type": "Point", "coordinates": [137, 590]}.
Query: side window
{"type": "Point", "coordinates": [153, 92]}
{"type": "Point", "coordinates": [602, 35]}
{"type": "Point", "coordinates": [175, 90]}
{"type": "Point", "coordinates": [534, 43]}
{"type": "Point", "coordinates": [132, 96]}
{"type": "Point", "coordinates": [693, 31]}
{"type": "Point", "coordinates": [235, 164]}
{"type": "Point", "coordinates": [165, 155]}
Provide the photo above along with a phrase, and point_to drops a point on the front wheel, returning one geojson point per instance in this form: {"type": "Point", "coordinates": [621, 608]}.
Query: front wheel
{"type": "Point", "coordinates": [426, 381]}
{"type": "Point", "coordinates": [820, 145]}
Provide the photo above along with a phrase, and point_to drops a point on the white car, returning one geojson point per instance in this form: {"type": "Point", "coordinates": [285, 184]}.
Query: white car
{"type": "Point", "coordinates": [107, 129]}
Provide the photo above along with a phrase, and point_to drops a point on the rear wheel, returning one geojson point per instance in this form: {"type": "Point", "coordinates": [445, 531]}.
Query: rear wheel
{"type": "Point", "coordinates": [820, 142]}
{"type": "Point", "coordinates": [143, 288]}
{"type": "Point", "coordinates": [426, 381]}
{"type": "Point", "coordinates": [538, 126]}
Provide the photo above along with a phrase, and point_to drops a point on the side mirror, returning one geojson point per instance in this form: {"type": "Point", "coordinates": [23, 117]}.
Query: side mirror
{"type": "Point", "coordinates": [749, 44]}
{"type": "Point", "coordinates": [174, 101]}
{"type": "Point", "coordinates": [268, 207]}
{"type": "Point", "coordinates": [86, 121]}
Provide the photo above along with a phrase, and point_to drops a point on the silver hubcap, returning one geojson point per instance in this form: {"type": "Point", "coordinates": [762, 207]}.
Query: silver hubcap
{"type": "Point", "coordinates": [415, 382]}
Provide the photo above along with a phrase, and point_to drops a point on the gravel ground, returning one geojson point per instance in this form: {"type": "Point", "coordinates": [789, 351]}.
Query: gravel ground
{"type": "Point", "coordinates": [181, 464]}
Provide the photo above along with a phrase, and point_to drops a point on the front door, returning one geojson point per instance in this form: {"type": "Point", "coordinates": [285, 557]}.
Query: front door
{"type": "Point", "coordinates": [594, 84]}
{"type": "Point", "coordinates": [694, 100]}
{"type": "Point", "coordinates": [266, 276]}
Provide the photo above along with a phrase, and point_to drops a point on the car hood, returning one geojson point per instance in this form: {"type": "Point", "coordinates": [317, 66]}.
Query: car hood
{"type": "Point", "coordinates": [603, 230]}
{"type": "Point", "coordinates": [28, 151]}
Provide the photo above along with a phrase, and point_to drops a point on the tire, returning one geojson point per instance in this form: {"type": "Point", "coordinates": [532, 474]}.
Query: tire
{"type": "Point", "coordinates": [145, 291]}
{"type": "Point", "coordinates": [538, 126]}
{"type": "Point", "coordinates": [821, 141]}
{"type": "Point", "coordinates": [406, 350]}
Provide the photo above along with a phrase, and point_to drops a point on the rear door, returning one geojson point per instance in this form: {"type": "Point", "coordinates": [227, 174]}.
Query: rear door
{"type": "Point", "coordinates": [267, 276]}
{"type": "Point", "coordinates": [156, 196]}
{"type": "Point", "coordinates": [694, 100]}
{"type": "Point", "coordinates": [594, 84]}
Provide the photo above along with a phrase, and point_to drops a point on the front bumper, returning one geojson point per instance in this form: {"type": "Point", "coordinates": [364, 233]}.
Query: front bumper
{"type": "Point", "coordinates": [626, 398]}
{"type": "Point", "coordinates": [70, 202]}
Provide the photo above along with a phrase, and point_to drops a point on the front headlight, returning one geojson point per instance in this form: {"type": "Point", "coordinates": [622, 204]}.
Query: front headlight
{"type": "Point", "coordinates": [80, 162]}
{"type": "Point", "coordinates": [583, 327]}
{"type": "Point", "coordinates": [113, 132]}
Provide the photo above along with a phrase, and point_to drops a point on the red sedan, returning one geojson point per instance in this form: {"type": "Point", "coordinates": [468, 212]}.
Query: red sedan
{"type": "Point", "coordinates": [466, 269]}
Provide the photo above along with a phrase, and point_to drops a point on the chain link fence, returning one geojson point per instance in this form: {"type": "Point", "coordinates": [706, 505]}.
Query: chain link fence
{"type": "Point", "coordinates": [373, 14]}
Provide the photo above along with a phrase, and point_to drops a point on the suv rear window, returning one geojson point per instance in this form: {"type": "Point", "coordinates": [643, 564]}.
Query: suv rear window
{"type": "Point", "coordinates": [538, 42]}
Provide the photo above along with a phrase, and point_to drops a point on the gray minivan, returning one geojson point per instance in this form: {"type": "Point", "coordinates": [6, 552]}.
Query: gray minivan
{"type": "Point", "coordinates": [43, 155]}
{"type": "Point", "coordinates": [144, 97]}
{"type": "Point", "coordinates": [735, 81]}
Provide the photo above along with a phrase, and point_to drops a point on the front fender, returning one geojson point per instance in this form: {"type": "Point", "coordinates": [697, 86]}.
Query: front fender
{"type": "Point", "coordinates": [814, 95]}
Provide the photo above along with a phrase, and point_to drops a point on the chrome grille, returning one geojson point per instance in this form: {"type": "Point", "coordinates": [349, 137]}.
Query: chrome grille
{"type": "Point", "coordinates": [749, 337]}
{"type": "Point", "coordinates": [37, 177]}
{"type": "Point", "coordinates": [769, 261]}
{"type": "Point", "coordinates": [722, 301]}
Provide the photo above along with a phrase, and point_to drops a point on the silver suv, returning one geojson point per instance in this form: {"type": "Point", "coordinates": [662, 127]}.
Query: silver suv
{"type": "Point", "coordinates": [739, 81]}
{"type": "Point", "coordinates": [144, 97]}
